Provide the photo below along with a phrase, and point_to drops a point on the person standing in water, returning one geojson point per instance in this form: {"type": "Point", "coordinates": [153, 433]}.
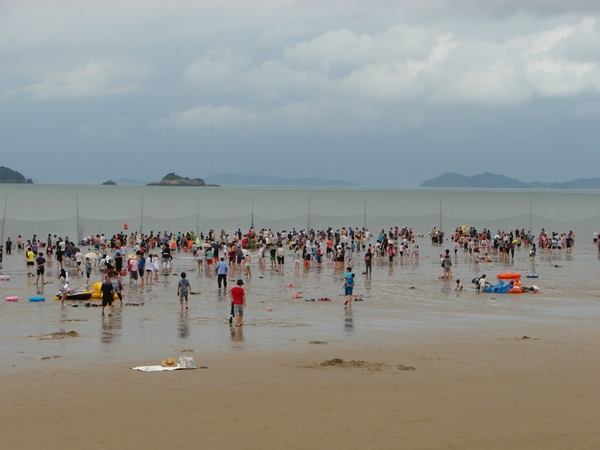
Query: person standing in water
{"type": "Point", "coordinates": [238, 300]}
{"type": "Point", "coordinates": [348, 286]}
{"type": "Point", "coordinates": [107, 291]}
{"type": "Point", "coordinates": [30, 258]}
{"type": "Point", "coordinates": [222, 270]}
{"type": "Point", "coordinates": [41, 263]}
{"type": "Point", "coordinates": [183, 290]}
{"type": "Point", "coordinates": [64, 286]}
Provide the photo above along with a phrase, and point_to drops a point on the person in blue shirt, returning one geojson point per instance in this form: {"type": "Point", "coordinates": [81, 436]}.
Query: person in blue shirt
{"type": "Point", "coordinates": [348, 286]}
{"type": "Point", "coordinates": [222, 269]}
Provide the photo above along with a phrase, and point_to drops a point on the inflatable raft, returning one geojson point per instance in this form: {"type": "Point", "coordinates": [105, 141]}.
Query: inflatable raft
{"type": "Point", "coordinates": [508, 276]}
{"type": "Point", "coordinates": [83, 295]}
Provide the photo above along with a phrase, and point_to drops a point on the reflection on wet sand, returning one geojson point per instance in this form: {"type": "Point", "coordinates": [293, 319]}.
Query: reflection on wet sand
{"type": "Point", "coordinates": [446, 287]}
{"type": "Point", "coordinates": [367, 284]}
{"type": "Point", "coordinates": [111, 327]}
{"type": "Point", "coordinates": [348, 320]}
{"type": "Point", "coordinates": [237, 334]}
{"type": "Point", "coordinates": [183, 327]}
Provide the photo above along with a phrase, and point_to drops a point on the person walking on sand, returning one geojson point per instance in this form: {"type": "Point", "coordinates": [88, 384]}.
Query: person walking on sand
{"type": "Point", "coordinates": [238, 300]}
{"type": "Point", "coordinates": [183, 289]}
{"type": "Point", "coordinates": [107, 291]}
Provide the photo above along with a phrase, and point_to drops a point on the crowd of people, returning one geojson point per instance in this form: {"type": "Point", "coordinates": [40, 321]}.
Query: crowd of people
{"type": "Point", "coordinates": [142, 257]}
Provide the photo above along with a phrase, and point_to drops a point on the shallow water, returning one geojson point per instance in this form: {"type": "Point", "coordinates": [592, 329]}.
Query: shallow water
{"type": "Point", "coordinates": [391, 308]}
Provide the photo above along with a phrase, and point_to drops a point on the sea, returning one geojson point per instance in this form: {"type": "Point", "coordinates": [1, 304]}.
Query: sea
{"type": "Point", "coordinates": [79, 211]}
{"type": "Point", "coordinates": [402, 300]}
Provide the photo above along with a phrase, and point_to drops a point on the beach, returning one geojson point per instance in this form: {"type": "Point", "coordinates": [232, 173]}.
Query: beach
{"type": "Point", "coordinates": [487, 389]}
{"type": "Point", "coordinates": [413, 365]}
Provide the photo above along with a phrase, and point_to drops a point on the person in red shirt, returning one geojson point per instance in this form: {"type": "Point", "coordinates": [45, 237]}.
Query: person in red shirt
{"type": "Point", "coordinates": [238, 301]}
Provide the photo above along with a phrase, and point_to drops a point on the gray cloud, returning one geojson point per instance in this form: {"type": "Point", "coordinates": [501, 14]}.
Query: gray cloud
{"type": "Point", "coordinates": [304, 86]}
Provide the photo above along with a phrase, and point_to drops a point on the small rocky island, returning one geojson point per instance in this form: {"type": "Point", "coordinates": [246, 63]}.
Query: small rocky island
{"type": "Point", "coordinates": [173, 179]}
{"type": "Point", "coordinates": [109, 183]}
{"type": "Point", "coordinates": [11, 176]}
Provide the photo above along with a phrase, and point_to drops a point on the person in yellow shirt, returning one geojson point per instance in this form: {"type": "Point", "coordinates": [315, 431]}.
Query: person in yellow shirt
{"type": "Point", "coordinates": [30, 257]}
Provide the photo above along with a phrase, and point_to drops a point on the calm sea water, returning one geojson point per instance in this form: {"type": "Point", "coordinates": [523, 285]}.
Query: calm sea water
{"type": "Point", "coordinates": [83, 210]}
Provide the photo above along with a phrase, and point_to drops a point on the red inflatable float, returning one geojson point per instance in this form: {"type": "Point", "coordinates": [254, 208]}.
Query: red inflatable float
{"type": "Point", "coordinates": [509, 276]}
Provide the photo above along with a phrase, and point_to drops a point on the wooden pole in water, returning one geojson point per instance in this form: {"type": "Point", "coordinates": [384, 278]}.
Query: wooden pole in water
{"type": "Point", "coordinates": [142, 218]}
{"type": "Point", "coordinates": [308, 224]}
{"type": "Point", "coordinates": [4, 220]}
{"type": "Point", "coordinates": [198, 219]}
{"type": "Point", "coordinates": [440, 214]}
{"type": "Point", "coordinates": [365, 209]}
{"type": "Point", "coordinates": [252, 219]}
{"type": "Point", "coordinates": [77, 209]}
{"type": "Point", "coordinates": [530, 215]}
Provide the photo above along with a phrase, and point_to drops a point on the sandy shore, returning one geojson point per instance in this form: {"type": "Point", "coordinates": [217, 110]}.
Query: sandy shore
{"type": "Point", "coordinates": [476, 384]}
{"type": "Point", "coordinates": [469, 389]}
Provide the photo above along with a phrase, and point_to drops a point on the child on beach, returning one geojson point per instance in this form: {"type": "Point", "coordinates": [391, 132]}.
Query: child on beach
{"type": "Point", "coordinates": [183, 289]}
{"type": "Point", "coordinates": [88, 271]}
{"type": "Point", "coordinates": [117, 288]}
{"type": "Point", "coordinates": [246, 261]}
{"type": "Point", "coordinates": [348, 287]}
{"type": "Point", "coordinates": [458, 286]}
{"type": "Point", "coordinates": [64, 286]}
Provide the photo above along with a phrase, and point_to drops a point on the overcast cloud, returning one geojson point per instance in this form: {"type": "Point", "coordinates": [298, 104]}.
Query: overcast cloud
{"type": "Point", "coordinates": [381, 93]}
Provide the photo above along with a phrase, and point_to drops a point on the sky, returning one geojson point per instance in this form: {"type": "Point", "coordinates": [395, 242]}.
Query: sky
{"type": "Point", "coordinates": [380, 93]}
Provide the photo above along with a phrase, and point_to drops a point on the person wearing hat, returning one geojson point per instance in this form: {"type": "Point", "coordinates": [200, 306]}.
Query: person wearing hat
{"type": "Point", "coordinates": [247, 260]}
{"type": "Point", "coordinates": [238, 300]}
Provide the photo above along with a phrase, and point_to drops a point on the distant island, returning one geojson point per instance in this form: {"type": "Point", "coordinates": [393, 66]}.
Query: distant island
{"type": "Point", "coordinates": [230, 179]}
{"type": "Point", "coordinates": [11, 176]}
{"type": "Point", "coordinates": [130, 181]}
{"type": "Point", "coordinates": [172, 179]}
{"type": "Point", "coordinates": [492, 180]}
{"type": "Point", "coordinates": [109, 183]}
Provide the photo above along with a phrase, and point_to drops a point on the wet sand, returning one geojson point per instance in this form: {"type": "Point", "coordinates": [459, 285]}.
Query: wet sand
{"type": "Point", "coordinates": [477, 382]}
{"type": "Point", "coordinates": [469, 390]}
